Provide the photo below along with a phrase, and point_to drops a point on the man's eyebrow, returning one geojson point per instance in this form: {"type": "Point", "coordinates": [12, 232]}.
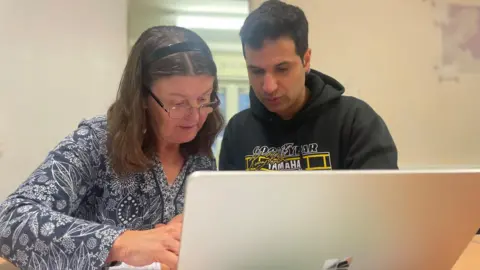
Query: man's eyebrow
{"type": "Point", "coordinates": [253, 67]}
{"type": "Point", "coordinates": [283, 63]}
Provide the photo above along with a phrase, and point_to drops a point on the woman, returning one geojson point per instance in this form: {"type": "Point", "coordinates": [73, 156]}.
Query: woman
{"type": "Point", "coordinates": [110, 190]}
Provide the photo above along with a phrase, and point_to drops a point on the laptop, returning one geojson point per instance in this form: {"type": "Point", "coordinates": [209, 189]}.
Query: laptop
{"type": "Point", "coordinates": [340, 220]}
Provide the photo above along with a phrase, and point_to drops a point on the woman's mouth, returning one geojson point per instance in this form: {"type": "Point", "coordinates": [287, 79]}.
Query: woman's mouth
{"type": "Point", "coordinates": [188, 127]}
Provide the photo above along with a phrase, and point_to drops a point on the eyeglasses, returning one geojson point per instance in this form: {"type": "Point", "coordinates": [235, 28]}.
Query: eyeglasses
{"type": "Point", "coordinates": [181, 111]}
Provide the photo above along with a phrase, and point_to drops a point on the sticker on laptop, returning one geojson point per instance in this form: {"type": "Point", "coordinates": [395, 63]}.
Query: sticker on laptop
{"type": "Point", "coordinates": [337, 264]}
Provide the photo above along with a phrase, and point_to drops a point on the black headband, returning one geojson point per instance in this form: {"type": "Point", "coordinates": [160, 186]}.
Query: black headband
{"type": "Point", "coordinates": [179, 47]}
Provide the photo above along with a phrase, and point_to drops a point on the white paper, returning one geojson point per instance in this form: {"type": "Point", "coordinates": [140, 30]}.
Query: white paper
{"type": "Point", "coordinates": [124, 266]}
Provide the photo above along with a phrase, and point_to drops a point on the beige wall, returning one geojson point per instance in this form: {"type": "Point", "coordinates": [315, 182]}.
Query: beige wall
{"type": "Point", "coordinates": [60, 61]}
{"type": "Point", "coordinates": [385, 53]}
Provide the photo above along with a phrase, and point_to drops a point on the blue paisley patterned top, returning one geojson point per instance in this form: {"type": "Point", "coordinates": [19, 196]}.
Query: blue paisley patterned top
{"type": "Point", "coordinates": [72, 208]}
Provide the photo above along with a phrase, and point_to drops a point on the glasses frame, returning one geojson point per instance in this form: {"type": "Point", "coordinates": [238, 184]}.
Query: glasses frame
{"type": "Point", "coordinates": [215, 104]}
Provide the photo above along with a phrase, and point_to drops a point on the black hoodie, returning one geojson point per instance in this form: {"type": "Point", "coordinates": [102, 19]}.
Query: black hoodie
{"type": "Point", "coordinates": [331, 131]}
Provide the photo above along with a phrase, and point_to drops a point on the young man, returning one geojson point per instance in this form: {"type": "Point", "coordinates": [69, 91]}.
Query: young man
{"type": "Point", "coordinates": [298, 118]}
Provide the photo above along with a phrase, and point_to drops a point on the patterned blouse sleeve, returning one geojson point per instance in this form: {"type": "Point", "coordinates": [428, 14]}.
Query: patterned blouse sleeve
{"type": "Point", "coordinates": [37, 227]}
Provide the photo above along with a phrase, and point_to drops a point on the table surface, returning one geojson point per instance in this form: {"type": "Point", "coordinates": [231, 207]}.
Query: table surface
{"type": "Point", "coordinates": [470, 259]}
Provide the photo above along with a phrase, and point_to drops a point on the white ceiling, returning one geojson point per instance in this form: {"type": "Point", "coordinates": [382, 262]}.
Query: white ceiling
{"type": "Point", "coordinates": [232, 7]}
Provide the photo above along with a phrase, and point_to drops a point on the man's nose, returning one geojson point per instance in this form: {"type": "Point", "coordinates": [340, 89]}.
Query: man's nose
{"type": "Point", "coordinates": [269, 84]}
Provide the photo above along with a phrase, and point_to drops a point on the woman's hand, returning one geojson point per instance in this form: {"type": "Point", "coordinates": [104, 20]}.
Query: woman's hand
{"type": "Point", "coordinates": [139, 248]}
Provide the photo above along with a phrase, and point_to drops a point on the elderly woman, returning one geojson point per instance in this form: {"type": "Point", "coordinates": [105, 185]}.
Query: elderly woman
{"type": "Point", "coordinates": [113, 190]}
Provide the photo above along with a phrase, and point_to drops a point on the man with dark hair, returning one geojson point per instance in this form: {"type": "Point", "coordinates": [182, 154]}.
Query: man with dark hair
{"type": "Point", "coordinates": [299, 118]}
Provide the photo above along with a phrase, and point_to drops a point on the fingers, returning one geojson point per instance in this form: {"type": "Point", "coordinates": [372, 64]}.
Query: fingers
{"type": "Point", "coordinates": [174, 231]}
{"type": "Point", "coordinates": [172, 245]}
{"type": "Point", "coordinates": [168, 258]}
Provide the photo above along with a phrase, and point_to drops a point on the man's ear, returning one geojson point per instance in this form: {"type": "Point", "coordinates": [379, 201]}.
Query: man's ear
{"type": "Point", "coordinates": [306, 60]}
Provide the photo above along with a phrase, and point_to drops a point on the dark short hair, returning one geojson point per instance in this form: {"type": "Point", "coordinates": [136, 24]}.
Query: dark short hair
{"type": "Point", "coordinates": [272, 20]}
{"type": "Point", "coordinates": [131, 139]}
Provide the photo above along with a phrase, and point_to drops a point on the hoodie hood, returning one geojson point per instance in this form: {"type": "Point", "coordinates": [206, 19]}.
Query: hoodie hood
{"type": "Point", "coordinates": [323, 89]}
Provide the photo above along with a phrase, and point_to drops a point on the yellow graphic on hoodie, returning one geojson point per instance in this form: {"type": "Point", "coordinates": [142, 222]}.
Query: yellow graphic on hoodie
{"type": "Point", "coordinates": [288, 157]}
